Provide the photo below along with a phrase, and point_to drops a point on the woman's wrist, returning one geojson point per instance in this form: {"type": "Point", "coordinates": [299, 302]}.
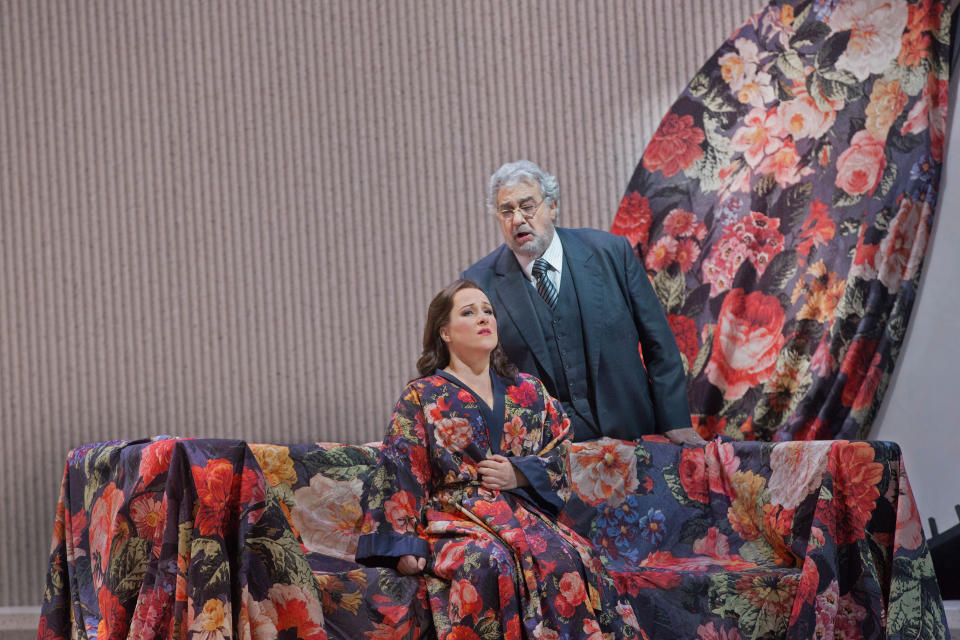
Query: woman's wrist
{"type": "Point", "coordinates": [521, 479]}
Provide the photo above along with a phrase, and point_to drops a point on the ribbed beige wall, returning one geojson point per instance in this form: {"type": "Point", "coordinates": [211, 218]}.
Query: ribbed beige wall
{"type": "Point", "coordinates": [226, 219]}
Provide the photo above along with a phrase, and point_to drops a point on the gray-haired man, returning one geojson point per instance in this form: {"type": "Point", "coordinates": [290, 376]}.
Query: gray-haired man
{"type": "Point", "coordinates": [573, 304]}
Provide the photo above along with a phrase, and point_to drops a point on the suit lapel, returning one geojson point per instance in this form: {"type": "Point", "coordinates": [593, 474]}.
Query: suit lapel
{"type": "Point", "coordinates": [588, 280]}
{"type": "Point", "coordinates": [514, 300]}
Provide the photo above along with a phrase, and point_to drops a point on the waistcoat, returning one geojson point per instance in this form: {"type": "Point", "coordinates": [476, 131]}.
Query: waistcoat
{"type": "Point", "coordinates": [562, 328]}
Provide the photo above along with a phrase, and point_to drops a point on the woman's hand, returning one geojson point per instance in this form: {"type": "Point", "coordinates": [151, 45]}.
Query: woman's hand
{"type": "Point", "coordinates": [411, 565]}
{"type": "Point", "coordinates": [497, 473]}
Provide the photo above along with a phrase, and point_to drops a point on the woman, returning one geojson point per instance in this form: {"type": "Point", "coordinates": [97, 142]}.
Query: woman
{"type": "Point", "coordinates": [468, 487]}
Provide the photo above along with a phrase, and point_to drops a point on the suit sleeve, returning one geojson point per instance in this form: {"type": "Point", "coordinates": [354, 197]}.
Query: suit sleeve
{"type": "Point", "coordinates": [661, 356]}
{"type": "Point", "coordinates": [395, 495]}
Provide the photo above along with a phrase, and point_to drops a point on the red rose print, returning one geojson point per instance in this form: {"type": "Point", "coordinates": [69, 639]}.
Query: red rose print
{"type": "Point", "coordinates": [401, 512]}
{"type": "Point", "coordinates": [633, 220]}
{"type": "Point", "coordinates": [524, 394]}
{"type": "Point", "coordinates": [453, 433]}
{"type": "Point", "coordinates": [464, 600]}
{"type": "Point", "coordinates": [693, 474]}
{"type": "Point", "coordinates": [217, 486]}
{"type": "Point", "coordinates": [155, 459]}
{"type": "Point", "coordinates": [572, 588]}
{"type": "Point", "coordinates": [563, 606]}
{"type": "Point", "coordinates": [859, 167]}
{"type": "Point", "coordinates": [685, 330]}
{"type": "Point", "coordinates": [856, 364]}
{"type": "Point", "coordinates": [856, 478]}
{"type": "Point", "coordinates": [420, 464]}
{"type": "Point", "coordinates": [449, 559]}
{"type": "Point", "coordinates": [675, 145]}
{"type": "Point", "coordinates": [746, 343]}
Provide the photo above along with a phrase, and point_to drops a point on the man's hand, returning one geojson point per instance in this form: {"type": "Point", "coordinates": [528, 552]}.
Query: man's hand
{"type": "Point", "coordinates": [411, 565]}
{"type": "Point", "coordinates": [497, 473]}
{"type": "Point", "coordinates": [684, 436]}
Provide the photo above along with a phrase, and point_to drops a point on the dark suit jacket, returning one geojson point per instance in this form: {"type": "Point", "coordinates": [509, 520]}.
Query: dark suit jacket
{"type": "Point", "coordinates": [619, 309]}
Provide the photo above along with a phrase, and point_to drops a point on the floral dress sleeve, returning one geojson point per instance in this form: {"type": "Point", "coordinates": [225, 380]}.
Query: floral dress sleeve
{"type": "Point", "coordinates": [537, 437]}
{"type": "Point", "coordinates": [396, 492]}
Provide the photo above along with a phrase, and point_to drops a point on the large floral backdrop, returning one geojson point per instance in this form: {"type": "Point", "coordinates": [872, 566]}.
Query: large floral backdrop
{"type": "Point", "coordinates": [783, 208]}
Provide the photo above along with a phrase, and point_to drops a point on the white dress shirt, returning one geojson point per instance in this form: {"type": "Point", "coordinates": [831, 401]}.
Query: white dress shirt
{"type": "Point", "coordinates": [554, 257]}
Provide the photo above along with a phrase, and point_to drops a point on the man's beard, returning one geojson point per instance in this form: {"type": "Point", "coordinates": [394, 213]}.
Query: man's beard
{"type": "Point", "coordinates": [536, 247]}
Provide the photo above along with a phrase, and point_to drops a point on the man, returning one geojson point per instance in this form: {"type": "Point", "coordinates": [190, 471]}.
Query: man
{"type": "Point", "coordinates": [573, 304]}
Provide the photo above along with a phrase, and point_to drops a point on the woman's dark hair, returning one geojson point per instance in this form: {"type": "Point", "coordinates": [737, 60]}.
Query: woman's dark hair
{"type": "Point", "coordinates": [435, 353]}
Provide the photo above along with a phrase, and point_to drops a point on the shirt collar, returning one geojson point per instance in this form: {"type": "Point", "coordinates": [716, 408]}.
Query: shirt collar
{"type": "Point", "coordinates": [553, 255]}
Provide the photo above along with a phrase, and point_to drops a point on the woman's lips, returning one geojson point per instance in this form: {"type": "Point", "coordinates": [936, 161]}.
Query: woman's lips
{"type": "Point", "coordinates": [484, 332]}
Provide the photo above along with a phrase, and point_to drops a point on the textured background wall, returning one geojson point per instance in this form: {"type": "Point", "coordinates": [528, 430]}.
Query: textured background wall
{"type": "Point", "coordinates": [226, 219]}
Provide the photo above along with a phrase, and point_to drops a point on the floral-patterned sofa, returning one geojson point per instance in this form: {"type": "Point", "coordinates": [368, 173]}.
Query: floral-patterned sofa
{"type": "Point", "coordinates": [732, 540]}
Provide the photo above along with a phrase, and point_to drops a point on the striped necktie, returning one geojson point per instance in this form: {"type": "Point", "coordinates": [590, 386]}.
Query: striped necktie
{"type": "Point", "coordinates": [544, 287]}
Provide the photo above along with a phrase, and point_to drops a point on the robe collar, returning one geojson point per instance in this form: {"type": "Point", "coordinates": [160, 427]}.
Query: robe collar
{"type": "Point", "coordinates": [489, 414]}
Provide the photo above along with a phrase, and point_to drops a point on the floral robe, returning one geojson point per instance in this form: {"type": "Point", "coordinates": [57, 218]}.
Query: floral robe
{"type": "Point", "coordinates": [498, 564]}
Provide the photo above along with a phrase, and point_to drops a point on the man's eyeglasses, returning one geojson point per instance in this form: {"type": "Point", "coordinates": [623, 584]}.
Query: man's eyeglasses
{"type": "Point", "coordinates": [527, 210]}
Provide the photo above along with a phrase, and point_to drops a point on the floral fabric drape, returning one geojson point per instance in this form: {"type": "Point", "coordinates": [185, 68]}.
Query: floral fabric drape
{"type": "Point", "coordinates": [783, 208]}
{"type": "Point", "coordinates": [218, 539]}
{"type": "Point", "coordinates": [176, 539]}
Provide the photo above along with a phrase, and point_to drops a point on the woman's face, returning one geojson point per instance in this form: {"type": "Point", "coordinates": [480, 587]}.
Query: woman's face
{"type": "Point", "coordinates": [471, 329]}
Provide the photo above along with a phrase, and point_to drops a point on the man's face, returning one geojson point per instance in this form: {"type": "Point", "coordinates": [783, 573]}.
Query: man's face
{"type": "Point", "coordinates": [526, 220]}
